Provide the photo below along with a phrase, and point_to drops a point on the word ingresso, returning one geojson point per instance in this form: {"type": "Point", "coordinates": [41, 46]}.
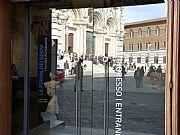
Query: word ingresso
{"type": "Point", "coordinates": [118, 104]}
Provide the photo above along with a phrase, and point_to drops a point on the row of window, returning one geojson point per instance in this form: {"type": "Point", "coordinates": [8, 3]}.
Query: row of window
{"type": "Point", "coordinates": [148, 46]}
{"type": "Point", "coordinates": [148, 32]}
{"type": "Point", "coordinates": [147, 59]}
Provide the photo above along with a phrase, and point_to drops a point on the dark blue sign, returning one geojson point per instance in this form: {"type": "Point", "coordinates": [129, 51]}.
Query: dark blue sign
{"type": "Point", "coordinates": [42, 65]}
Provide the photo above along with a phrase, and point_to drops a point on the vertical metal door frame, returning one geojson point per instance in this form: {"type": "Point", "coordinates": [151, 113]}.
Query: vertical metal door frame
{"type": "Point", "coordinates": [26, 68]}
{"type": "Point", "coordinates": [106, 95]}
{"type": "Point", "coordinates": [78, 83]}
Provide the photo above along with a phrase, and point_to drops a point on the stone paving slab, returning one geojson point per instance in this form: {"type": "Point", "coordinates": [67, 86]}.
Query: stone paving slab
{"type": "Point", "coordinates": [142, 108]}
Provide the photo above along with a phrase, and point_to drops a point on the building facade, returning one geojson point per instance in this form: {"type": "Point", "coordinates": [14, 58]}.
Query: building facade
{"type": "Point", "coordinates": [88, 31]}
{"type": "Point", "coordinates": [145, 42]}
{"type": "Point", "coordinates": [85, 31]}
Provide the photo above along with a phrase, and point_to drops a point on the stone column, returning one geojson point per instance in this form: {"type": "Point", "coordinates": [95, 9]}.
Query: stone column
{"type": "Point", "coordinates": [67, 39]}
{"type": "Point", "coordinates": [5, 75]}
{"type": "Point", "coordinates": [119, 32]}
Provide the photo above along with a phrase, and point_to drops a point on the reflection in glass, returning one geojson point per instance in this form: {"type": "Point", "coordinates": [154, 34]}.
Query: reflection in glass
{"type": "Point", "coordinates": [74, 71]}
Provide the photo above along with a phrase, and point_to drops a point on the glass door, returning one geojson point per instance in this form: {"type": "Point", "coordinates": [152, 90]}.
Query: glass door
{"type": "Point", "coordinates": [79, 99]}
{"type": "Point", "coordinates": [83, 75]}
{"type": "Point", "coordinates": [74, 67]}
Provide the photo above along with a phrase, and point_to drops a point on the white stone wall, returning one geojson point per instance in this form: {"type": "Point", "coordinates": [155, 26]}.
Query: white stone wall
{"type": "Point", "coordinates": [143, 54]}
{"type": "Point", "coordinates": [107, 24]}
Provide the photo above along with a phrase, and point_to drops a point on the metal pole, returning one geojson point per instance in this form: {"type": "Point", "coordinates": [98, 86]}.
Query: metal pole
{"type": "Point", "coordinates": [78, 82]}
{"type": "Point", "coordinates": [106, 99]}
{"type": "Point", "coordinates": [107, 90]}
{"type": "Point", "coordinates": [77, 99]}
{"type": "Point", "coordinates": [26, 70]}
{"type": "Point", "coordinates": [80, 90]}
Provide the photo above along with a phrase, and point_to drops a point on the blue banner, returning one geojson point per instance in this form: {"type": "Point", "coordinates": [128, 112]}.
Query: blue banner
{"type": "Point", "coordinates": [42, 65]}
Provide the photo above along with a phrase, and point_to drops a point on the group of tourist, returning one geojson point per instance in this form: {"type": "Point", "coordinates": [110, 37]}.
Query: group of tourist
{"type": "Point", "coordinates": [139, 72]}
{"type": "Point", "coordinates": [153, 73]}
{"type": "Point", "coordinates": [138, 75]}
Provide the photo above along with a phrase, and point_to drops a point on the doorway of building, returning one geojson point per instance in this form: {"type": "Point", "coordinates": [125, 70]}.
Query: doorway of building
{"type": "Point", "coordinates": [83, 95]}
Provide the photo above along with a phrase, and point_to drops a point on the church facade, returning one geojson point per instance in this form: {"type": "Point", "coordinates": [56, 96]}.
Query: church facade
{"type": "Point", "coordinates": [88, 31]}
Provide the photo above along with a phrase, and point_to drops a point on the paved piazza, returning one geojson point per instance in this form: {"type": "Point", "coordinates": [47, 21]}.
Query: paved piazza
{"type": "Point", "coordinates": [143, 108]}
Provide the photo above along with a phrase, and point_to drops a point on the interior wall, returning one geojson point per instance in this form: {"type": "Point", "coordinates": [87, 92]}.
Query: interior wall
{"type": "Point", "coordinates": [40, 25]}
{"type": "Point", "coordinates": [17, 44]}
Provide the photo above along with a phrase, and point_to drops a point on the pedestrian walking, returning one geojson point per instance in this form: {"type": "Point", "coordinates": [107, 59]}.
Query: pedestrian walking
{"type": "Point", "coordinates": [137, 76]}
{"type": "Point", "coordinates": [159, 72]}
{"type": "Point", "coordinates": [111, 61]}
{"type": "Point", "coordinates": [62, 55]}
{"type": "Point", "coordinates": [66, 67]}
{"type": "Point", "coordinates": [141, 76]}
{"type": "Point", "coordinates": [123, 72]}
{"type": "Point", "coordinates": [79, 74]}
{"type": "Point", "coordinates": [159, 69]}
{"type": "Point", "coordinates": [134, 65]}
{"type": "Point", "coordinates": [73, 67]}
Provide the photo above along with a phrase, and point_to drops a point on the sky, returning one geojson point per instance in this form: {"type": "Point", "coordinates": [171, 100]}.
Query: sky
{"type": "Point", "coordinates": [144, 12]}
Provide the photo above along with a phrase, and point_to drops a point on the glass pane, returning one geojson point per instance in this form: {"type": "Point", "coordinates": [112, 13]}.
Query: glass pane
{"type": "Point", "coordinates": [63, 70]}
{"type": "Point", "coordinates": [118, 87]}
{"type": "Point", "coordinates": [43, 107]}
{"type": "Point", "coordinates": [107, 35]}
{"type": "Point", "coordinates": [144, 84]}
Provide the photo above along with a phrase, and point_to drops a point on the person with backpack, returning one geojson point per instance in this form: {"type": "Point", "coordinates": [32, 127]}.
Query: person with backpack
{"type": "Point", "coordinates": [138, 77]}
